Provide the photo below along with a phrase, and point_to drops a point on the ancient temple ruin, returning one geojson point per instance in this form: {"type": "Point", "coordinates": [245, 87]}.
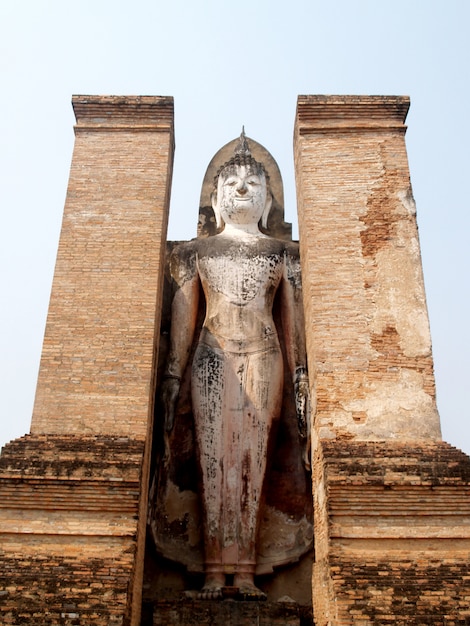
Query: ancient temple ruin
{"type": "Point", "coordinates": [99, 527]}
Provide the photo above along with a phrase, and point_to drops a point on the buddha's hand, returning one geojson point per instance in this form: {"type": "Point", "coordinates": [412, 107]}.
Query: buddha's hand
{"type": "Point", "coordinates": [169, 392]}
{"type": "Point", "coordinates": [302, 407]}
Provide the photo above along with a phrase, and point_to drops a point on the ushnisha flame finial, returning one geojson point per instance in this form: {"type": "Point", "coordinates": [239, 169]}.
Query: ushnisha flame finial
{"type": "Point", "coordinates": [243, 148]}
{"type": "Point", "coordinates": [241, 156]}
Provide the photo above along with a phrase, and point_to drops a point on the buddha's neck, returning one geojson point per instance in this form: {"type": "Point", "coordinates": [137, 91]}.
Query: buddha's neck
{"type": "Point", "coordinates": [241, 230]}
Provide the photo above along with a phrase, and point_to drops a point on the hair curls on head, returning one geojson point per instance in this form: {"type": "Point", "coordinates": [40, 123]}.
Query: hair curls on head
{"type": "Point", "coordinates": [242, 156]}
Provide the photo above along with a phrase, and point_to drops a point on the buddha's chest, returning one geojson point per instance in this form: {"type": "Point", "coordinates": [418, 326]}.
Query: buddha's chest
{"type": "Point", "coordinates": [240, 276]}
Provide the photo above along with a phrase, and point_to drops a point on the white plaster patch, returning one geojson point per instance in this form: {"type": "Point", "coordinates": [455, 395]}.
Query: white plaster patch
{"type": "Point", "coordinates": [177, 504]}
{"type": "Point", "coordinates": [408, 202]}
{"type": "Point", "coordinates": [396, 408]}
{"type": "Point", "coordinates": [400, 299]}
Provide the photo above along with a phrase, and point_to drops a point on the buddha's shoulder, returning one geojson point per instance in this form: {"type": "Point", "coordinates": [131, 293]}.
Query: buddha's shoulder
{"type": "Point", "coordinates": [216, 245]}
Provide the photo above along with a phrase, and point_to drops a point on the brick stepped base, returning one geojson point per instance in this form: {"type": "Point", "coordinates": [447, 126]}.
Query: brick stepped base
{"type": "Point", "coordinates": [68, 524]}
{"type": "Point", "coordinates": [392, 534]}
{"type": "Point", "coordinates": [62, 456]}
{"type": "Point", "coordinates": [65, 591]}
{"type": "Point", "coordinates": [229, 613]}
{"type": "Point", "coordinates": [382, 462]}
{"type": "Point", "coordinates": [405, 592]}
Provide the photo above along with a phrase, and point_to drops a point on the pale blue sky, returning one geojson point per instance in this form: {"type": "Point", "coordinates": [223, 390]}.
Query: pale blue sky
{"type": "Point", "coordinates": [228, 64]}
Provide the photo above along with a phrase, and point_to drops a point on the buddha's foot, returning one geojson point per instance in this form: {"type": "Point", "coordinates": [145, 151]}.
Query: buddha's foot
{"type": "Point", "coordinates": [251, 592]}
{"type": "Point", "coordinates": [210, 592]}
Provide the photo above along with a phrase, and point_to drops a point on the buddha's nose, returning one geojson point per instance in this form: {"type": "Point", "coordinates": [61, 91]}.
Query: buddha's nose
{"type": "Point", "coordinates": [241, 187]}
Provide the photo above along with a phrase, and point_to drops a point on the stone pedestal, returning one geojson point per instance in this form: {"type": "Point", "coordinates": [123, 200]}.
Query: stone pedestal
{"type": "Point", "coordinates": [230, 613]}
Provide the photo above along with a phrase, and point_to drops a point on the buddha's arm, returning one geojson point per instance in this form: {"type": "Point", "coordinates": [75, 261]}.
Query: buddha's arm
{"type": "Point", "coordinates": [293, 315]}
{"type": "Point", "coordinates": [183, 323]}
{"type": "Point", "coordinates": [294, 332]}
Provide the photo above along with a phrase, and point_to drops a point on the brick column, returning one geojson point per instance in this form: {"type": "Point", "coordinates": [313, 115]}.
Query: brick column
{"type": "Point", "coordinates": [368, 337]}
{"type": "Point", "coordinates": [73, 493]}
{"type": "Point", "coordinates": [97, 367]}
{"type": "Point", "coordinates": [392, 521]}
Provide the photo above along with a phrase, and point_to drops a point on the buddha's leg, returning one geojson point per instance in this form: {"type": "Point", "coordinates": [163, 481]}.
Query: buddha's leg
{"type": "Point", "coordinates": [207, 386]}
{"type": "Point", "coordinates": [236, 398]}
{"type": "Point", "coordinates": [262, 403]}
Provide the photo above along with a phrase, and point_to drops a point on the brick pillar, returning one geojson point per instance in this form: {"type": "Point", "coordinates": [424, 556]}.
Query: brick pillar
{"type": "Point", "coordinates": [73, 493]}
{"type": "Point", "coordinates": [392, 521]}
{"type": "Point", "coordinates": [97, 367]}
{"type": "Point", "coordinates": [368, 337]}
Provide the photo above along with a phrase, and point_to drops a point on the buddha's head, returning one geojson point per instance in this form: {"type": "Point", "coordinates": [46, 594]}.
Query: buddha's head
{"type": "Point", "coordinates": [242, 193]}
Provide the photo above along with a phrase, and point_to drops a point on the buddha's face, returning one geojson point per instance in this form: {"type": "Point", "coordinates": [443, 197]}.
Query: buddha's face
{"type": "Point", "coordinates": [241, 195]}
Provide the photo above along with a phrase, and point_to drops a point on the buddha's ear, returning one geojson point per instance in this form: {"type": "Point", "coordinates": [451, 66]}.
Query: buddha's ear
{"type": "Point", "coordinates": [216, 209]}
{"type": "Point", "coordinates": [267, 209]}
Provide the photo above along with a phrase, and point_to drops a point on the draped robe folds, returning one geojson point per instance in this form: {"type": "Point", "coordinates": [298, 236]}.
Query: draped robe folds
{"type": "Point", "coordinates": [240, 388]}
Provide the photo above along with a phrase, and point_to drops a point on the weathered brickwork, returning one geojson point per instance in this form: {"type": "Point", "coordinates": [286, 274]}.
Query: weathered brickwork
{"type": "Point", "coordinates": [73, 495]}
{"type": "Point", "coordinates": [230, 613]}
{"type": "Point", "coordinates": [392, 534]}
{"type": "Point", "coordinates": [391, 501]}
{"type": "Point", "coordinates": [367, 328]}
{"type": "Point", "coordinates": [69, 509]}
{"type": "Point", "coordinates": [97, 366]}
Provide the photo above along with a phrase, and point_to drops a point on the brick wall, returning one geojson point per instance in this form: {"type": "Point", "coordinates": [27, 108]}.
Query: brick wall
{"type": "Point", "coordinates": [368, 338]}
{"type": "Point", "coordinates": [97, 366]}
{"type": "Point", "coordinates": [69, 510]}
{"type": "Point", "coordinates": [73, 494]}
{"type": "Point", "coordinates": [392, 534]}
{"type": "Point", "coordinates": [392, 519]}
